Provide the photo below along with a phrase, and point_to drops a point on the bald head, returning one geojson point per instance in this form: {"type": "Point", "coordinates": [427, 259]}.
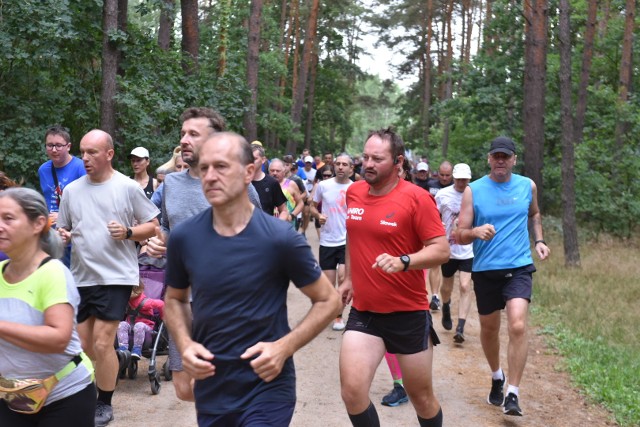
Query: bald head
{"type": "Point", "coordinates": [445, 172]}
{"type": "Point", "coordinates": [96, 149]}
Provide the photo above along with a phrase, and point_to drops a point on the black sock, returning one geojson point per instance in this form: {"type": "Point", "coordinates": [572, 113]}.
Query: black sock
{"type": "Point", "coordinates": [105, 396]}
{"type": "Point", "coordinates": [461, 323]}
{"type": "Point", "coordinates": [431, 422]}
{"type": "Point", "coordinates": [368, 418]}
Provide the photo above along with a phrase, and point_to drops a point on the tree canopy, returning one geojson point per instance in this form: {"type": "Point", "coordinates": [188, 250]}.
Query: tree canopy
{"type": "Point", "coordinates": [468, 59]}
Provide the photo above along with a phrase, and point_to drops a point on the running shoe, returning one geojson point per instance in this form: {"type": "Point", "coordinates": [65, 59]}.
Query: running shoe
{"type": "Point", "coordinates": [104, 414]}
{"type": "Point", "coordinates": [511, 406]}
{"type": "Point", "coordinates": [338, 325]}
{"type": "Point", "coordinates": [447, 323]}
{"type": "Point", "coordinates": [396, 396]}
{"type": "Point", "coordinates": [496, 396]}
{"type": "Point", "coordinates": [435, 303]}
{"type": "Point", "coordinates": [458, 338]}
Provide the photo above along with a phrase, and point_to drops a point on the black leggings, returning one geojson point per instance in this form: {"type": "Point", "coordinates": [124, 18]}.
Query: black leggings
{"type": "Point", "coordinates": [78, 410]}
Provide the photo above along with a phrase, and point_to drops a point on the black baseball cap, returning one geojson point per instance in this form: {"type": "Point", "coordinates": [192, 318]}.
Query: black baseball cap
{"type": "Point", "coordinates": [502, 144]}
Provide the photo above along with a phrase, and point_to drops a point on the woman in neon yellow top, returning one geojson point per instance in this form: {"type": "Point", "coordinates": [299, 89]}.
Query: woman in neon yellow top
{"type": "Point", "coordinates": [38, 304]}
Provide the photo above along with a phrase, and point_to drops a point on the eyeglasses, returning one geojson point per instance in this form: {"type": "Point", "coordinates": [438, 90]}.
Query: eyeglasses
{"type": "Point", "coordinates": [50, 147]}
{"type": "Point", "coordinates": [324, 175]}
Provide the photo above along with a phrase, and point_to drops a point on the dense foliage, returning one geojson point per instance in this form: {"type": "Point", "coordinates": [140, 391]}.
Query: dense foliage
{"type": "Point", "coordinates": [50, 54]}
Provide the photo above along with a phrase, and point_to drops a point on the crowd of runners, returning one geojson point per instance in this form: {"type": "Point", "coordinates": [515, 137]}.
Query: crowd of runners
{"type": "Point", "coordinates": [228, 226]}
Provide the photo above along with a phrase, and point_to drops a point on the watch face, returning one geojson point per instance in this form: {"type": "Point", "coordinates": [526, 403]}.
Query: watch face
{"type": "Point", "coordinates": [405, 259]}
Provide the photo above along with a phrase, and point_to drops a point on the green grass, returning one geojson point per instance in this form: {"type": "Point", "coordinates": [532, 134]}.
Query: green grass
{"type": "Point", "coordinates": [592, 316]}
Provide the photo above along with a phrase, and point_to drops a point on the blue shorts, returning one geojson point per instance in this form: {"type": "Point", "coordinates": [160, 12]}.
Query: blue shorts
{"type": "Point", "coordinates": [495, 287]}
{"type": "Point", "coordinates": [403, 332]}
{"type": "Point", "coordinates": [262, 414]}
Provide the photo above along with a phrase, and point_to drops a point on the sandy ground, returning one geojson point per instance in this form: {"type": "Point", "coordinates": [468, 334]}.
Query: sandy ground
{"type": "Point", "coordinates": [461, 381]}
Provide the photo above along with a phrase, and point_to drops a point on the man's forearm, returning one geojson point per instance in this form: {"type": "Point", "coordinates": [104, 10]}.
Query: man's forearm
{"type": "Point", "coordinates": [178, 318]}
{"type": "Point", "coordinates": [144, 231]}
{"type": "Point", "coordinates": [464, 236]}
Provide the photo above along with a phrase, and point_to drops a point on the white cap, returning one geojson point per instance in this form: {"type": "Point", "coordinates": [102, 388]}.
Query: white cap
{"type": "Point", "coordinates": [461, 171]}
{"type": "Point", "coordinates": [308, 159]}
{"type": "Point", "coordinates": [141, 152]}
{"type": "Point", "coordinates": [422, 166]}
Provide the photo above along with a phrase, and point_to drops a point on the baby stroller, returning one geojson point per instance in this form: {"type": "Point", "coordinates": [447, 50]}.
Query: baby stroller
{"type": "Point", "coordinates": [156, 343]}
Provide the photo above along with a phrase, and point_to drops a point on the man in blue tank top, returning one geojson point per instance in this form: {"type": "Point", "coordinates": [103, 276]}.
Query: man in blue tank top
{"type": "Point", "coordinates": [494, 217]}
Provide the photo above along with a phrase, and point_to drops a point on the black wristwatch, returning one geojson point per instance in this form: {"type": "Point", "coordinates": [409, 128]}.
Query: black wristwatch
{"type": "Point", "coordinates": [129, 233]}
{"type": "Point", "coordinates": [405, 260]}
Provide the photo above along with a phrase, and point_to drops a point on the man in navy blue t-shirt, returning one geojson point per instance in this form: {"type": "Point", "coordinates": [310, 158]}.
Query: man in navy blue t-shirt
{"type": "Point", "coordinates": [237, 262]}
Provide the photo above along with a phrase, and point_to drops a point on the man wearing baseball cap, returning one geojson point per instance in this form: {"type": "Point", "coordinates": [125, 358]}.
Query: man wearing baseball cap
{"type": "Point", "coordinates": [310, 173]}
{"type": "Point", "coordinates": [421, 177]}
{"type": "Point", "coordinates": [494, 216]}
{"type": "Point", "coordinates": [461, 259]}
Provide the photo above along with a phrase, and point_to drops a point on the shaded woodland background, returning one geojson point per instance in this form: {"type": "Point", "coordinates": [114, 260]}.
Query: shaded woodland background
{"type": "Point", "coordinates": [558, 76]}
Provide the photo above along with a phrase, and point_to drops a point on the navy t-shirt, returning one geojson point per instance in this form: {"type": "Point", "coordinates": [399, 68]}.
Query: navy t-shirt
{"type": "Point", "coordinates": [239, 288]}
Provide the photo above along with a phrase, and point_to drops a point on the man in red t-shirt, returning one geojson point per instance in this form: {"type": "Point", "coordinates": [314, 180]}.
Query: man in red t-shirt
{"type": "Point", "coordinates": [394, 232]}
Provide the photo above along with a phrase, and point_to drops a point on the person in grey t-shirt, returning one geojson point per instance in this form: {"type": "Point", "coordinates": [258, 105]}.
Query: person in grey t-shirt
{"type": "Point", "coordinates": [103, 214]}
{"type": "Point", "coordinates": [183, 198]}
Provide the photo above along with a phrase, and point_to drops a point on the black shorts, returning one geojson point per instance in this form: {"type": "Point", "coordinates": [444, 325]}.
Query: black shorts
{"type": "Point", "coordinates": [495, 287]}
{"type": "Point", "coordinates": [104, 302]}
{"type": "Point", "coordinates": [403, 332]}
{"type": "Point", "coordinates": [453, 265]}
{"type": "Point", "coordinates": [331, 256]}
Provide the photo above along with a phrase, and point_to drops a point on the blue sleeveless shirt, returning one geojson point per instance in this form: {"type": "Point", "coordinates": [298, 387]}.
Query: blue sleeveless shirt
{"type": "Point", "coordinates": [506, 206]}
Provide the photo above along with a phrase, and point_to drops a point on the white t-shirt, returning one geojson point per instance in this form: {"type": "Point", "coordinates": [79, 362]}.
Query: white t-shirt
{"type": "Point", "coordinates": [311, 176]}
{"type": "Point", "coordinates": [86, 209]}
{"type": "Point", "coordinates": [334, 205]}
{"type": "Point", "coordinates": [448, 200]}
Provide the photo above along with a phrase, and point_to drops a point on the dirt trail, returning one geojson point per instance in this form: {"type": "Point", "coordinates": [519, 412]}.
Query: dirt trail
{"type": "Point", "coordinates": [461, 381]}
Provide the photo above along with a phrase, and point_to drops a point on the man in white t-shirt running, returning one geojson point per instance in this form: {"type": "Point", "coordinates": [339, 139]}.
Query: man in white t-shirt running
{"type": "Point", "coordinates": [448, 200]}
{"type": "Point", "coordinates": [332, 193]}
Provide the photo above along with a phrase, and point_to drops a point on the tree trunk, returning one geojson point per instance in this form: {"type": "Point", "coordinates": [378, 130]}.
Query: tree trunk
{"type": "Point", "coordinates": [190, 36]}
{"type": "Point", "coordinates": [442, 54]}
{"type": "Point", "coordinates": [622, 126]}
{"type": "Point", "coordinates": [223, 37]}
{"type": "Point", "coordinates": [486, 36]}
{"type": "Point", "coordinates": [286, 21]}
{"type": "Point", "coordinates": [299, 92]}
{"type": "Point", "coordinates": [123, 12]}
{"type": "Point", "coordinates": [295, 45]}
{"type": "Point", "coordinates": [604, 20]}
{"type": "Point", "coordinates": [448, 83]}
{"type": "Point", "coordinates": [109, 68]}
{"type": "Point", "coordinates": [465, 4]}
{"type": "Point", "coordinates": [426, 88]}
{"type": "Point", "coordinates": [165, 29]}
{"type": "Point", "coordinates": [253, 53]}
{"type": "Point", "coordinates": [536, 18]}
{"type": "Point", "coordinates": [310, 101]}
{"type": "Point", "coordinates": [587, 56]}
{"type": "Point", "coordinates": [569, 227]}
{"type": "Point", "coordinates": [467, 46]}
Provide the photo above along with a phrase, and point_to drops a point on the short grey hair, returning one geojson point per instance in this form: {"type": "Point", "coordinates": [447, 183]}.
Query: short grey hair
{"type": "Point", "coordinates": [34, 206]}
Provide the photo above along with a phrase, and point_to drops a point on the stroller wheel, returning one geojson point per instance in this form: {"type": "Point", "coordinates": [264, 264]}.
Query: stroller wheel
{"type": "Point", "coordinates": [132, 370]}
{"type": "Point", "coordinates": [155, 385]}
{"type": "Point", "coordinates": [168, 375]}
{"type": "Point", "coordinates": [123, 362]}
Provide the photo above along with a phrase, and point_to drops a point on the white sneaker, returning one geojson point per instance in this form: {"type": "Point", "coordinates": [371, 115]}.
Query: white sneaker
{"type": "Point", "coordinates": [338, 325]}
